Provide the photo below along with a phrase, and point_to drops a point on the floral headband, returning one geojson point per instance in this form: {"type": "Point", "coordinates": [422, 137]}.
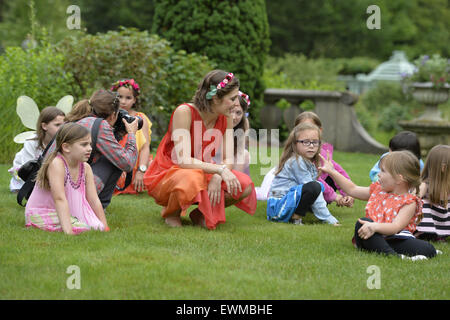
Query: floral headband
{"type": "Point", "coordinates": [245, 97]}
{"type": "Point", "coordinates": [129, 82]}
{"type": "Point", "coordinates": [213, 89]}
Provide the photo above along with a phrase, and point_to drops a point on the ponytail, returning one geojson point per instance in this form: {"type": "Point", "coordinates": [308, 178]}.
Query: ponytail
{"type": "Point", "coordinates": [101, 104]}
{"type": "Point", "coordinates": [79, 111]}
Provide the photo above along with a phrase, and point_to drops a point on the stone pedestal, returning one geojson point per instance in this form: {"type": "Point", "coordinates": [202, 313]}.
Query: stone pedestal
{"type": "Point", "coordinates": [430, 133]}
{"type": "Point", "coordinates": [430, 128]}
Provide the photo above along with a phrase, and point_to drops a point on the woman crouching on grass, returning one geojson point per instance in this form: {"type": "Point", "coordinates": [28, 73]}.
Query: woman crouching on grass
{"type": "Point", "coordinates": [184, 173]}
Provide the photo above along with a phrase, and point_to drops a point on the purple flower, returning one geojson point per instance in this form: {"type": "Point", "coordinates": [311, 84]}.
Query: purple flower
{"type": "Point", "coordinates": [425, 59]}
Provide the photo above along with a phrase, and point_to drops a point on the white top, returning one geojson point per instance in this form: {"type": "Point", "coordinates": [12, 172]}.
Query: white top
{"type": "Point", "coordinates": [30, 151]}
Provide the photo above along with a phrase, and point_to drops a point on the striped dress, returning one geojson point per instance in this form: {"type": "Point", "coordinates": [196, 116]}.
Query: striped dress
{"type": "Point", "coordinates": [436, 219]}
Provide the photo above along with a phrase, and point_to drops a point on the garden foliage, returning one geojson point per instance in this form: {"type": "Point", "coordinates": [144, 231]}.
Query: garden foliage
{"type": "Point", "coordinates": [233, 34]}
{"type": "Point", "coordinates": [167, 77]}
{"type": "Point", "coordinates": [83, 63]}
{"type": "Point", "coordinates": [38, 73]}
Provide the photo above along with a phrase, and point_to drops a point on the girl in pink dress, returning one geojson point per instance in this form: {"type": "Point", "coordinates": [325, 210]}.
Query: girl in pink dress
{"type": "Point", "coordinates": [64, 197]}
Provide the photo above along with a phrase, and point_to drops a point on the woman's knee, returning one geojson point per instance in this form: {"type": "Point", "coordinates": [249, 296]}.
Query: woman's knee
{"type": "Point", "coordinates": [247, 191]}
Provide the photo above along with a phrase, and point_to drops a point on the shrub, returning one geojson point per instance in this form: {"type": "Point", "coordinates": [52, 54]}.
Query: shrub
{"type": "Point", "coordinates": [355, 65]}
{"type": "Point", "coordinates": [233, 34]}
{"type": "Point", "coordinates": [167, 77]}
{"type": "Point", "coordinates": [298, 72]}
{"type": "Point", "coordinates": [37, 73]}
{"type": "Point", "coordinates": [381, 108]}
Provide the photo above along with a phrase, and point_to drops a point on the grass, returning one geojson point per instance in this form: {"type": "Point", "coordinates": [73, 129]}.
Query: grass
{"type": "Point", "coordinates": [245, 258]}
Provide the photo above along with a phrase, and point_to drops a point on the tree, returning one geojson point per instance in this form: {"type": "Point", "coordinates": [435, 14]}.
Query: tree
{"type": "Point", "coordinates": [16, 21]}
{"type": "Point", "coordinates": [233, 34]}
{"type": "Point", "coordinates": [331, 28]}
{"type": "Point", "coordinates": [102, 16]}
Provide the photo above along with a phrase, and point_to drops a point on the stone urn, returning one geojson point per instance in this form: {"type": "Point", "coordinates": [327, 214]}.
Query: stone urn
{"type": "Point", "coordinates": [430, 127]}
{"type": "Point", "coordinates": [431, 98]}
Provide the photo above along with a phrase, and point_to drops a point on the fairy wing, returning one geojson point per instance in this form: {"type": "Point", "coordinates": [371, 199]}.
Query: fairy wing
{"type": "Point", "coordinates": [28, 111]}
{"type": "Point", "coordinates": [22, 137]}
{"type": "Point", "coordinates": [65, 104]}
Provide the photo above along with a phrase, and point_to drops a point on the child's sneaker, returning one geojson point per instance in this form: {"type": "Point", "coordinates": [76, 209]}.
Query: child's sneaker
{"type": "Point", "coordinates": [297, 222]}
{"type": "Point", "coordinates": [414, 258]}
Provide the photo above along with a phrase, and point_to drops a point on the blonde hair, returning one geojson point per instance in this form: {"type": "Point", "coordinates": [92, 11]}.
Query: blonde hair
{"type": "Point", "coordinates": [310, 116]}
{"type": "Point", "coordinates": [68, 133]}
{"type": "Point", "coordinates": [436, 173]}
{"type": "Point", "coordinates": [290, 147]}
{"type": "Point", "coordinates": [403, 163]}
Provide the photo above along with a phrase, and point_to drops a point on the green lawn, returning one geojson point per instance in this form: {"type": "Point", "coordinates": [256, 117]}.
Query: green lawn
{"type": "Point", "coordinates": [246, 258]}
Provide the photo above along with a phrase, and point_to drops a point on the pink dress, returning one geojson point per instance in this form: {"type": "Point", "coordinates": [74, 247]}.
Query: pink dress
{"type": "Point", "coordinates": [40, 210]}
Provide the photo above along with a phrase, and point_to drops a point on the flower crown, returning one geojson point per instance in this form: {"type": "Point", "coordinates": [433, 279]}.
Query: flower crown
{"type": "Point", "coordinates": [126, 82]}
{"type": "Point", "coordinates": [245, 97]}
{"type": "Point", "coordinates": [213, 89]}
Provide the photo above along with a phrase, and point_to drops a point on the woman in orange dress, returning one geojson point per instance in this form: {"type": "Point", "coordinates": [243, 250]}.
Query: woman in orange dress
{"type": "Point", "coordinates": [183, 172]}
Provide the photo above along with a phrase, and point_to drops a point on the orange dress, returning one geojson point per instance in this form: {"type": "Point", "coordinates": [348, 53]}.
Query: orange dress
{"type": "Point", "coordinates": [384, 206]}
{"type": "Point", "coordinates": [176, 188]}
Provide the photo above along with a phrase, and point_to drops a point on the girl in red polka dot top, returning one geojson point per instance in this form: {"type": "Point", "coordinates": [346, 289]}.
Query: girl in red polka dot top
{"type": "Point", "coordinates": [393, 209]}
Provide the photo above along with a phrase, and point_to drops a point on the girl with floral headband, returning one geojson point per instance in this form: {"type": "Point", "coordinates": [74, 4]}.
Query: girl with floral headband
{"type": "Point", "coordinates": [128, 92]}
{"type": "Point", "coordinates": [184, 173]}
{"type": "Point", "coordinates": [240, 128]}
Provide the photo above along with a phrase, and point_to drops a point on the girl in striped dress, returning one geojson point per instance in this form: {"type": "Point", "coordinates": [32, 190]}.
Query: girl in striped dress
{"type": "Point", "coordinates": [435, 192]}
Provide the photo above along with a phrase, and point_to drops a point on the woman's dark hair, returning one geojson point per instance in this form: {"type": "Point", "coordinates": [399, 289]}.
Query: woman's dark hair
{"type": "Point", "coordinates": [102, 104]}
{"type": "Point", "coordinates": [213, 78]}
{"type": "Point", "coordinates": [405, 140]}
{"type": "Point", "coordinates": [243, 124]}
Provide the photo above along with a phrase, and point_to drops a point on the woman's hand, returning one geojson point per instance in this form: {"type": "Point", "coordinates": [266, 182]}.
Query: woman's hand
{"type": "Point", "coordinates": [131, 127]}
{"type": "Point", "coordinates": [139, 181]}
{"type": "Point", "coordinates": [367, 229]}
{"type": "Point", "coordinates": [214, 189]}
{"type": "Point", "coordinates": [233, 184]}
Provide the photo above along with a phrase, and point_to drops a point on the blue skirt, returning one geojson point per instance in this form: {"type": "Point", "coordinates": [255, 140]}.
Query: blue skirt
{"type": "Point", "coordinates": [282, 209]}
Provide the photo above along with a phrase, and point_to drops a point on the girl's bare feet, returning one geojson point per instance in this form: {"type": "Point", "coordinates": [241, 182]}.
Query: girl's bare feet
{"type": "Point", "coordinates": [197, 218]}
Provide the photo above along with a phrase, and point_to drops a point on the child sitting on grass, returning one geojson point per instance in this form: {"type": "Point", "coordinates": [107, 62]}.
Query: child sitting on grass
{"type": "Point", "coordinates": [295, 190]}
{"type": "Point", "coordinates": [392, 212]}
